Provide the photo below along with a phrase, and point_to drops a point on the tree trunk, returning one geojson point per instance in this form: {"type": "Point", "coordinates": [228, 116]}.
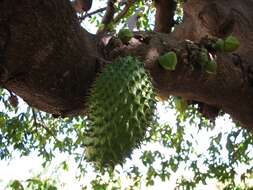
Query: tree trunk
{"type": "Point", "coordinates": [50, 61]}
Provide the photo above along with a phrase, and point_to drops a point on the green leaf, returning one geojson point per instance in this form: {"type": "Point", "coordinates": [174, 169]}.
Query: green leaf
{"type": "Point", "coordinates": [218, 138]}
{"type": "Point", "coordinates": [16, 185]}
{"type": "Point", "coordinates": [65, 166]}
{"type": "Point", "coordinates": [51, 187]}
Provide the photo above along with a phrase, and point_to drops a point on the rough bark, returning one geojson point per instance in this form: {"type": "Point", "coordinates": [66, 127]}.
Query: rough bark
{"type": "Point", "coordinates": [164, 18]}
{"type": "Point", "coordinates": [46, 58]}
{"type": "Point", "coordinates": [50, 61]}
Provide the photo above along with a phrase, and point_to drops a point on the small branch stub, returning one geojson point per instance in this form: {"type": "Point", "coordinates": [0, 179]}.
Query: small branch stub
{"type": "Point", "coordinates": [207, 62]}
{"type": "Point", "coordinates": [211, 67]}
{"type": "Point", "coordinates": [181, 104]}
{"type": "Point", "coordinates": [168, 61]}
{"type": "Point", "coordinates": [229, 44]}
{"type": "Point", "coordinates": [125, 35]}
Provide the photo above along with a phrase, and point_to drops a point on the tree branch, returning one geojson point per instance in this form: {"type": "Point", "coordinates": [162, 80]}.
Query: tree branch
{"type": "Point", "coordinates": [164, 18]}
{"type": "Point", "coordinates": [41, 124]}
{"type": "Point", "coordinates": [92, 13]}
{"type": "Point", "coordinates": [124, 11]}
{"type": "Point", "coordinates": [110, 11]}
{"type": "Point", "coordinates": [46, 49]}
{"type": "Point", "coordinates": [108, 17]}
{"type": "Point", "coordinates": [190, 82]}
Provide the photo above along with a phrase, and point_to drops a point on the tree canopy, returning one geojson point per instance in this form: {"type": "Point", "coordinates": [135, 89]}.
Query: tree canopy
{"type": "Point", "coordinates": [197, 53]}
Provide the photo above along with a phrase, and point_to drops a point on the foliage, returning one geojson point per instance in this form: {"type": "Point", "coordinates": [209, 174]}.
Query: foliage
{"type": "Point", "coordinates": [176, 148]}
{"type": "Point", "coordinates": [34, 183]}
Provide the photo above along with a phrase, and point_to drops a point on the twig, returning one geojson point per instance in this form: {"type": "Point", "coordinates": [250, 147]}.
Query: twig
{"type": "Point", "coordinates": [92, 13]}
{"type": "Point", "coordinates": [42, 124]}
{"type": "Point", "coordinates": [108, 16]}
{"type": "Point", "coordinates": [34, 117]}
{"type": "Point", "coordinates": [124, 11]}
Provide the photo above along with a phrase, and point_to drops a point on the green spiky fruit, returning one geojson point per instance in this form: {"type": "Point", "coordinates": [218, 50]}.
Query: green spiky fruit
{"type": "Point", "coordinates": [168, 61]}
{"type": "Point", "coordinates": [231, 44]}
{"type": "Point", "coordinates": [121, 107]}
{"type": "Point", "coordinates": [125, 35]}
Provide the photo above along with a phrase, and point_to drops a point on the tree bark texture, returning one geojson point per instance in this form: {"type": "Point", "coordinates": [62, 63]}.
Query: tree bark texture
{"type": "Point", "coordinates": [164, 18]}
{"type": "Point", "coordinates": [50, 61]}
{"type": "Point", "coordinates": [47, 59]}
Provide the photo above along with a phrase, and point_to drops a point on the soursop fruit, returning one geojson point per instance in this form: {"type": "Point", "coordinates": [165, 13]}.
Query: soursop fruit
{"type": "Point", "coordinates": [121, 107]}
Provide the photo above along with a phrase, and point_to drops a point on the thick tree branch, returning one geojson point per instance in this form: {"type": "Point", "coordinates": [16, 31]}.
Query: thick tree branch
{"type": "Point", "coordinates": [51, 62]}
{"type": "Point", "coordinates": [223, 90]}
{"type": "Point", "coordinates": [164, 18]}
{"type": "Point", "coordinates": [46, 57]}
